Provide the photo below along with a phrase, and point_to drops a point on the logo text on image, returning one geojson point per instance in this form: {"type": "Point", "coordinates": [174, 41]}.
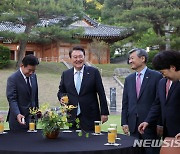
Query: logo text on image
{"type": "Point", "coordinates": [156, 143]}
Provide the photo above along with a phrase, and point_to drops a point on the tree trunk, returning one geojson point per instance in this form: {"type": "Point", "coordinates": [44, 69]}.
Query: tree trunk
{"type": "Point", "coordinates": [22, 47]}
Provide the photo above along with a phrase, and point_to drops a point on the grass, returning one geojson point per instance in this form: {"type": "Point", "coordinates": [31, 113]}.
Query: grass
{"type": "Point", "coordinates": [107, 70]}
{"type": "Point", "coordinates": [48, 75]}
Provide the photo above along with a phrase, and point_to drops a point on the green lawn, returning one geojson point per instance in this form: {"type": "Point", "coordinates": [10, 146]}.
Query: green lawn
{"type": "Point", "coordinates": [107, 70]}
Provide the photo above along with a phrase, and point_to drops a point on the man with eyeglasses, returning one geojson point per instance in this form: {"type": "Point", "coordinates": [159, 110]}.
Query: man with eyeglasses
{"type": "Point", "coordinates": [138, 95]}
{"type": "Point", "coordinates": [83, 85]}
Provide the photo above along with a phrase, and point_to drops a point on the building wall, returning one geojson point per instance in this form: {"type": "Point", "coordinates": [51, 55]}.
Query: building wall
{"type": "Point", "coordinates": [57, 51]}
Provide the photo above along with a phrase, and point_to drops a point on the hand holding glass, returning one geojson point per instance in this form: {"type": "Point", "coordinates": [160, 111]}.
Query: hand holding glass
{"type": "Point", "coordinates": [64, 99]}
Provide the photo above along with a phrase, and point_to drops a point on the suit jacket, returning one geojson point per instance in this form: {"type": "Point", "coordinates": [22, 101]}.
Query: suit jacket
{"type": "Point", "coordinates": [20, 99]}
{"type": "Point", "coordinates": [170, 108]}
{"type": "Point", "coordinates": [133, 107]}
{"type": "Point", "coordinates": [91, 85]}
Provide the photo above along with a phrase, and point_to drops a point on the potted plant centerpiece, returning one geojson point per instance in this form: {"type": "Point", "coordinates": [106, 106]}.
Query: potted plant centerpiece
{"type": "Point", "coordinates": [53, 119]}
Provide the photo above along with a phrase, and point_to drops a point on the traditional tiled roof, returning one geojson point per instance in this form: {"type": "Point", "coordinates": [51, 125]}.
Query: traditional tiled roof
{"type": "Point", "coordinates": [92, 29]}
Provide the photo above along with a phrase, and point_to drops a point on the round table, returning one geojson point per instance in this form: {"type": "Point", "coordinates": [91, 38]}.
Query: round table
{"type": "Point", "coordinates": [70, 143]}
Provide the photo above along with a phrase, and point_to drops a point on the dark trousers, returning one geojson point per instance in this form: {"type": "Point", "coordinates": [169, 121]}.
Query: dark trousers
{"type": "Point", "coordinates": [149, 133]}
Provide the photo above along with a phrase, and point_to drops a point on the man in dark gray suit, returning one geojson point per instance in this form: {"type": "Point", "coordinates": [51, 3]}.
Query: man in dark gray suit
{"type": "Point", "coordinates": [168, 95]}
{"type": "Point", "coordinates": [22, 93]}
{"type": "Point", "coordinates": [138, 95]}
{"type": "Point", "coordinates": [84, 87]}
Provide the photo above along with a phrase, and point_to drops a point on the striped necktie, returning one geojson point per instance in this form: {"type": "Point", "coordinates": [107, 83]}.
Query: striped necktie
{"type": "Point", "coordinates": [78, 86]}
{"type": "Point", "coordinates": [138, 84]}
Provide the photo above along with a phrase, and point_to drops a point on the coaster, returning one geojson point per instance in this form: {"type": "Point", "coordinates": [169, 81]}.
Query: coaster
{"type": "Point", "coordinates": [77, 131]}
{"type": "Point", "coordinates": [67, 131]}
{"type": "Point", "coordinates": [95, 134]}
{"type": "Point", "coordinates": [3, 133]}
{"type": "Point", "coordinates": [112, 144]}
{"type": "Point", "coordinates": [32, 131]}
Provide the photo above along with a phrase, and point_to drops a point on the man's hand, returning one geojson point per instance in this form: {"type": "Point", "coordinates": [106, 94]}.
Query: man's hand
{"type": "Point", "coordinates": [159, 130]}
{"type": "Point", "coordinates": [177, 136]}
{"type": "Point", "coordinates": [125, 129]}
{"type": "Point", "coordinates": [104, 118]}
{"type": "Point", "coordinates": [19, 119]}
{"type": "Point", "coordinates": [142, 127]}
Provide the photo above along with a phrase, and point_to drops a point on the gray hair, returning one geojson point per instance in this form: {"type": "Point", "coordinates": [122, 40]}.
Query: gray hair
{"type": "Point", "coordinates": [140, 53]}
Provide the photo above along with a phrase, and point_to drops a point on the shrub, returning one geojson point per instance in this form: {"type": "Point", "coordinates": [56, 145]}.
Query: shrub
{"type": "Point", "coordinates": [151, 55]}
{"type": "Point", "coordinates": [4, 56]}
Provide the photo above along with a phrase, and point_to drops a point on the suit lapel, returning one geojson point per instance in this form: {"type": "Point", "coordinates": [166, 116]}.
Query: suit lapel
{"type": "Point", "coordinates": [134, 84]}
{"type": "Point", "coordinates": [84, 79]}
{"type": "Point", "coordinates": [163, 86]}
{"type": "Point", "coordinates": [23, 81]}
{"type": "Point", "coordinates": [71, 80]}
{"type": "Point", "coordinates": [146, 78]}
{"type": "Point", "coordinates": [173, 86]}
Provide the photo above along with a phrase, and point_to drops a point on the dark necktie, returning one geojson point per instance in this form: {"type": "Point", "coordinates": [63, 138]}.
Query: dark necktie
{"type": "Point", "coordinates": [28, 85]}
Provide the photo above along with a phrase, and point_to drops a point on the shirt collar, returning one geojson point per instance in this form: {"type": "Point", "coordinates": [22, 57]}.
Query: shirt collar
{"type": "Point", "coordinates": [82, 70]}
{"type": "Point", "coordinates": [22, 73]}
{"type": "Point", "coordinates": [143, 71]}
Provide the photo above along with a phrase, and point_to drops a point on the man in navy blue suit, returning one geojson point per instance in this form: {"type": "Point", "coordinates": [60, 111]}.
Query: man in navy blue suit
{"type": "Point", "coordinates": [168, 96]}
{"type": "Point", "coordinates": [22, 93]}
{"type": "Point", "coordinates": [83, 85]}
{"type": "Point", "coordinates": [139, 93]}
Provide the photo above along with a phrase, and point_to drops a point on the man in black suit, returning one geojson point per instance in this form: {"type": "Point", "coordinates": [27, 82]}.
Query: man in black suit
{"type": "Point", "coordinates": [138, 95]}
{"type": "Point", "coordinates": [84, 87]}
{"type": "Point", "coordinates": [168, 96]}
{"type": "Point", "coordinates": [22, 93]}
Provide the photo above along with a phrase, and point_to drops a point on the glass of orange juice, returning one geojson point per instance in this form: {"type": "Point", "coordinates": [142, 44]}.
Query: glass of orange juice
{"type": "Point", "coordinates": [114, 126]}
{"type": "Point", "coordinates": [97, 127]}
{"type": "Point", "coordinates": [32, 125]}
{"type": "Point", "coordinates": [65, 98]}
{"type": "Point", "coordinates": [111, 135]}
{"type": "Point", "coordinates": [1, 127]}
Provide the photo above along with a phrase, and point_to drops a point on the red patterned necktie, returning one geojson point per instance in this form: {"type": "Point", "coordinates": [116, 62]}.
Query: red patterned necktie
{"type": "Point", "coordinates": [168, 83]}
{"type": "Point", "coordinates": [138, 84]}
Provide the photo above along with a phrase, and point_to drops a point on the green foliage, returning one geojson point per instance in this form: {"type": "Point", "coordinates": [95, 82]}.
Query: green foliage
{"type": "Point", "coordinates": [93, 8]}
{"type": "Point", "coordinates": [143, 15]}
{"type": "Point", "coordinates": [149, 39]}
{"type": "Point", "coordinates": [151, 55]}
{"type": "Point", "coordinates": [4, 56]}
{"type": "Point", "coordinates": [30, 14]}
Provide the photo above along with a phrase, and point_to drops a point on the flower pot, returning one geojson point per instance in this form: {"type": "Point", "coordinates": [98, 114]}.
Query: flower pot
{"type": "Point", "coordinates": [52, 135]}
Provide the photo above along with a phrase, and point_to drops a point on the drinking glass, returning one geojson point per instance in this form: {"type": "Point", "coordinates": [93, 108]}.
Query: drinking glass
{"type": "Point", "coordinates": [32, 124]}
{"type": "Point", "coordinates": [97, 127]}
{"type": "Point", "coordinates": [115, 131]}
{"type": "Point", "coordinates": [1, 127]}
{"type": "Point", "coordinates": [111, 135]}
{"type": "Point", "coordinates": [65, 98]}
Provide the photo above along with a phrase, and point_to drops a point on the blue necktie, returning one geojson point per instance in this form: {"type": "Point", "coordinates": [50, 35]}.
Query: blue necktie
{"type": "Point", "coordinates": [78, 82]}
{"type": "Point", "coordinates": [78, 86]}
